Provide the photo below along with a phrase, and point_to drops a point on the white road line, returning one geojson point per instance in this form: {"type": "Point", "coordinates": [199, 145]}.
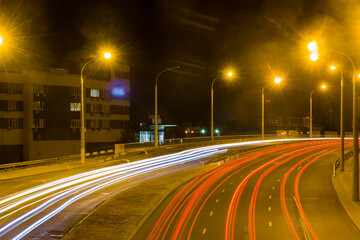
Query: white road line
{"type": "Point", "coordinates": [269, 209]}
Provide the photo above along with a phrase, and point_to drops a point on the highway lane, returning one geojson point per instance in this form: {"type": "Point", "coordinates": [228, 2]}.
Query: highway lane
{"type": "Point", "coordinates": [39, 212]}
{"type": "Point", "coordinates": [279, 193]}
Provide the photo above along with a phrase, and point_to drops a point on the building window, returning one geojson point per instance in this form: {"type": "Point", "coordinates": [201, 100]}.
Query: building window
{"type": "Point", "coordinates": [105, 124]}
{"type": "Point", "coordinates": [14, 105]}
{"type": "Point", "coordinates": [38, 123]}
{"type": "Point", "coordinates": [94, 93]}
{"type": "Point", "coordinates": [75, 92]}
{"type": "Point", "coordinates": [38, 89]}
{"type": "Point", "coordinates": [95, 123]}
{"type": "Point", "coordinates": [75, 123]}
{"type": "Point", "coordinates": [39, 105]}
{"type": "Point", "coordinates": [95, 108]}
{"type": "Point", "coordinates": [75, 107]}
{"type": "Point", "coordinates": [15, 87]}
{"type": "Point", "coordinates": [105, 109]}
{"type": "Point", "coordinates": [15, 123]}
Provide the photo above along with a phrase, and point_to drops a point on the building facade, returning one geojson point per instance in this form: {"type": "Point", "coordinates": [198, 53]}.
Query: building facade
{"type": "Point", "coordinates": [40, 112]}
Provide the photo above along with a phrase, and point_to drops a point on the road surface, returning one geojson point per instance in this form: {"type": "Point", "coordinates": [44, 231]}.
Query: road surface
{"type": "Point", "coordinates": [49, 210]}
{"type": "Point", "coordinates": [284, 192]}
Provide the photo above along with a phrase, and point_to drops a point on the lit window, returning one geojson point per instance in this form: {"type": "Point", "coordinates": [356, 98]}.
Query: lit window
{"type": "Point", "coordinates": [94, 93]}
{"type": "Point", "coordinates": [75, 107]}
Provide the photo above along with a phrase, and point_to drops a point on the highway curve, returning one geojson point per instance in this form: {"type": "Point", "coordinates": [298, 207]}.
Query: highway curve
{"type": "Point", "coordinates": [283, 192]}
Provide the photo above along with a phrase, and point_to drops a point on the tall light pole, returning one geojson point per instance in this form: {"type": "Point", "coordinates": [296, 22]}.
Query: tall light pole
{"type": "Point", "coordinates": [156, 111]}
{"type": "Point", "coordinates": [229, 74]}
{"type": "Point", "coordinates": [342, 163]}
{"type": "Point", "coordinates": [313, 48]}
{"type": "Point", "coordinates": [311, 111]}
{"type": "Point", "coordinates": [277, 80]}
{"type": "Point", "coordinates": [107, 55]}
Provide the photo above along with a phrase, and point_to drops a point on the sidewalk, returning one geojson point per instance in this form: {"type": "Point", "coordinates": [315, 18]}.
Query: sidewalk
{"type": "Point", "coordinates": [343, 186]}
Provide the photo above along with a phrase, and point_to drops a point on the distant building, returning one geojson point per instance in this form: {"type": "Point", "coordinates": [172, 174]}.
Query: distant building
{"type": "Point", "coordinates": [147, 131]}
{"type": "Point", "coordinates": [40, 112]}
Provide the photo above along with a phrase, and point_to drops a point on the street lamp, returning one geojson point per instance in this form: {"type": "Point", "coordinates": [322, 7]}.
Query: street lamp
{"type": "Point", "coordinates": [322, 87]}
{"type": "Point", "coordinates": [341, 117]}
{"type": "Point", "coordinates": [1, 40]}
{"type": "Point", "coordinates": [156, 111]}
{"type": "Point", "coordinates": [229, 74]}
{"type": "Point", "coordinates": [107, 55]}
{"type": "Point", "coordinates": [277, 80]}
{"type": "Point", "coordinates": [355, 197]}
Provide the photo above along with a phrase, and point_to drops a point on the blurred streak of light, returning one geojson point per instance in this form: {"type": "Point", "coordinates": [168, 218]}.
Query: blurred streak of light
{"type": "Point", "coordinates": [168, 216]}
{"type": "Point", "coordinates": [130, 170]}
{"type": "Point", "coordinates": [251, 215]}
{"type": "Point", "coordinates": [104, 181]}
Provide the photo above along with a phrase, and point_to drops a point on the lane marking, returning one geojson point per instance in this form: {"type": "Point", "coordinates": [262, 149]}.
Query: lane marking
{"type": "Point", "coordinates": [269, 209]}
{"type": "Point", "coordinates": [270, 197]}
{"type": "Point", "coordinates": [204, 231]}
{"type": "Point", "coordinates": [223, 190]}
{"type": "Point", "coordinates": [270, 224]}
{"type": "Point", "coordinates": [273, 187]}
{"type": "Point", "coordinates": [211, 213]}
{"type": "Point", "coordinates": [217, 200]}
{"type": "Point", "coordinates": [232, 183]}
{"type": "Point", "coordinates": [279, 180]}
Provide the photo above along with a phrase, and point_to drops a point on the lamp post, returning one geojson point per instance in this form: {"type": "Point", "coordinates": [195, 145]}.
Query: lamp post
{"type": "Point", "coordinates": [341, 117]}
{"type": "Point", "coordinates": [107, 55]}
{"type": "Point", "coordinates": [156, 111]}
{"type": "Point", "coordinates": [322, 87]}
{"type": "Point", "coordinates": [314, 56]}
{"type": "Point", "coordinates": [229, 74]}
{"type": "Point", "coordinates": [277, 80]}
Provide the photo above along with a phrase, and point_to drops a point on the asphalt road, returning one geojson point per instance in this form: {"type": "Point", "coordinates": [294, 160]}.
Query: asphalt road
{"type": "Point", "coordinates": [43, 209]}
{"type": "Point", "coordinates": [280, 193]}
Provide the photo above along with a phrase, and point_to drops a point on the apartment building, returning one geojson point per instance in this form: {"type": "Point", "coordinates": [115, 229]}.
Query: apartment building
{"type": "Point", "coordinates": [40, 112]}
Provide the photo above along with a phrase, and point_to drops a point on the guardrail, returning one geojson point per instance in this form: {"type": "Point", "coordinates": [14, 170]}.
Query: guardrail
{"type": "Point", "coordinates": [131, 149]}
{"type": "Point", "coordinates": [48, 161]}
{"type": "Point", "coordinates": [337, 161]}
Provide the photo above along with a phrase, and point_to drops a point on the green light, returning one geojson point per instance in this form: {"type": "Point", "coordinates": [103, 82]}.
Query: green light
{"type": "Point", "coordinates": [203, 131]}
{"type": "Point", "coordinates": [217, 131]}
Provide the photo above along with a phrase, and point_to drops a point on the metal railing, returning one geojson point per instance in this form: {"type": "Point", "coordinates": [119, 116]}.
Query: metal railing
{"type": "Point", "coordinates": [337, 161]}
{"type": "Point", "coordinates": [137, 148]}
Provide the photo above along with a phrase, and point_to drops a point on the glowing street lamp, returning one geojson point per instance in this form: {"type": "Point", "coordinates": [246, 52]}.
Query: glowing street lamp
{"type": "Point", "coordinates": [314, 56]}
{"type": "Point", "coordinates": [1, 40]}
{"type": "Point", "coordinates": [229, 74]}
{"type": "Point", "coordinates": [355, 121]}
{"type": "Point", "coordinates": [341, 117]}
{"type": "Point", "coordinates": [312, 46]}
{"type": "Point", "coordinates": [107, 55]}
{"type": "Point", "coordinates": [311, 94]}
{"type": "Point", "coordinates": [156, 111]}
{"type": "Point", "coordinates": [277, 80]}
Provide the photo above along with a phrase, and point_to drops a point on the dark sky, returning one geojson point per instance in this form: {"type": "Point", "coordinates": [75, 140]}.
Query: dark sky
{"type": "Point", "coordinates": [204, 37]}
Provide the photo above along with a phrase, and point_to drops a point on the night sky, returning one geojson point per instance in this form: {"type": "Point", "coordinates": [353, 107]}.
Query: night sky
{"type": "Point", "coordinates": [255, 38]}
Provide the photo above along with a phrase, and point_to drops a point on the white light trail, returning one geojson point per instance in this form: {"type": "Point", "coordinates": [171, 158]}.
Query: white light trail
{"type": "Point", "coordinates": [81, 185]}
